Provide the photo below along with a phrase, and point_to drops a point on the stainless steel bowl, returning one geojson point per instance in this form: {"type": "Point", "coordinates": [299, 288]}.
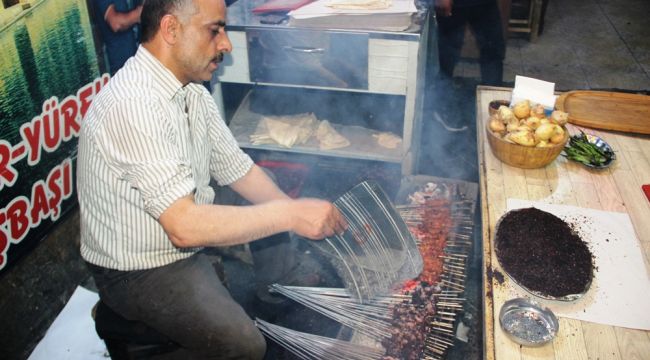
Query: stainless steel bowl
{"type": "Point", "coordinates": [602, 145]}
{"type": "Point", "coordinates": [527, 323]}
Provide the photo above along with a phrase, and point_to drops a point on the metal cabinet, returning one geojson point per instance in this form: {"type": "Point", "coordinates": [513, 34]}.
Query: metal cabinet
{"type": "Point", "coordinates": [381, 73]}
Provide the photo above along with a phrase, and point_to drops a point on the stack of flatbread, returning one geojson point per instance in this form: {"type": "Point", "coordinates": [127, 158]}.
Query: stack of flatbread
{"type": "Point", "coordinates": [290, 130]}
{"type": "Point", "coordinates": [285, 131]}
{"type": "Point", "coordinates": [388, 140]}
{"type": "Point", "coordinates": [360, 4]}
{"type": "Point", "coordinates": [329, 138]}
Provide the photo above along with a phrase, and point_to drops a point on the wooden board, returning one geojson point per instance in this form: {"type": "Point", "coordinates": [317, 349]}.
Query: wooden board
{"type": "Point", "coordinates": [607, 110]}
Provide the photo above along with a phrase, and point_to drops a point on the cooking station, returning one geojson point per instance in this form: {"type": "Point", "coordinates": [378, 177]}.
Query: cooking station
{"type": "Point", "coordinates": [365, 82]}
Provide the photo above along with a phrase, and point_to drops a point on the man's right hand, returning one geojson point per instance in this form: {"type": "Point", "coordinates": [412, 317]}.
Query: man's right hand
{"type": "Point", "coordinates": [316, 219]}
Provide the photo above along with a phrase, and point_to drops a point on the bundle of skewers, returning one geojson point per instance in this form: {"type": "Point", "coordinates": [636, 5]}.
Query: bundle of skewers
{"type": "Point", "coordinates": [440, 216]}
{"type": "Point", "coordinates": [415, 321]}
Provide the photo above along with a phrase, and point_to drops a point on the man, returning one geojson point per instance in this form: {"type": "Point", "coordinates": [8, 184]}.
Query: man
{"type": "Point", "coordinates": [119, 29]}
{"type": "Point", "coordinates": [148, 146]}
{"type": "Point", "coordinates": [484, 18]}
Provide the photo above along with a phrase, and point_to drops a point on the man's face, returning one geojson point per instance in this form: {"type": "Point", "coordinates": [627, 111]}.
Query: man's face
{"type": "Point", "coordinates": [202, 41]}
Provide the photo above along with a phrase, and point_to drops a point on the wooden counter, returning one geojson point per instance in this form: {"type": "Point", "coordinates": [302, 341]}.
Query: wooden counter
{"type": "Point", "coordinates": [617, 188]}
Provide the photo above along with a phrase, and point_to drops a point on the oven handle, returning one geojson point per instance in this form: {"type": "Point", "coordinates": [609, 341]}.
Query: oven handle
{"type": "Point", "coordinates": [304, 50]}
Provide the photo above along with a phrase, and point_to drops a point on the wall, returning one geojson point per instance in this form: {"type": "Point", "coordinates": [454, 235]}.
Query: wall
{"type": "Point", "coordinates": [37, 287]}
{"type": "Point", "coordinates": [49, 73]}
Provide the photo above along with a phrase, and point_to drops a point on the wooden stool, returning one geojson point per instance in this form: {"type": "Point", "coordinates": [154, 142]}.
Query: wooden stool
{"type": "Point", "coordinates": [531, 23]}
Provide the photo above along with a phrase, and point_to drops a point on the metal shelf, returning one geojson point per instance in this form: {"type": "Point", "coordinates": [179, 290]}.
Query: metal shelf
{"type": "Point", "coordinates": [362, 143]}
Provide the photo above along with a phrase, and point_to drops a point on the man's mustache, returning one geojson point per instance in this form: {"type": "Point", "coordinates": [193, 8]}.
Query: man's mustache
{"type": "Point", "coordinates": [218, 58]}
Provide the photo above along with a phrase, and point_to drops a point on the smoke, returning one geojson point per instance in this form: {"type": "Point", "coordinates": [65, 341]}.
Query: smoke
{"type": "Point", "coordinates": [448, 144]}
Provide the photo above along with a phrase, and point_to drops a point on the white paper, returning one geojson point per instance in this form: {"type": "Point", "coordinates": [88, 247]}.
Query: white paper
{"type": "Point", "coordinates": [72, 335]}
{"type": "Point", "coordinates": [620, 291]}
{"type": "Point", "coordinates": [319, 8]}
{"type": "Point", "coordinates": [535, 90]}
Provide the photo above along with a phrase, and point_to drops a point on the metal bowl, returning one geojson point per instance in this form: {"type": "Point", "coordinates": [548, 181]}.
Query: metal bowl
{"type": "Point", "coordinates": [602, 145]}
{"type": "Point", "coordinates": [527, 323]}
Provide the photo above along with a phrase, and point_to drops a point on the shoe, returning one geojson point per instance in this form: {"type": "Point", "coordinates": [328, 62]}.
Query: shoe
{"type": "Point", "coordinates": [446, 126]}
{"type": "Point", "coordinates": [267, 298]}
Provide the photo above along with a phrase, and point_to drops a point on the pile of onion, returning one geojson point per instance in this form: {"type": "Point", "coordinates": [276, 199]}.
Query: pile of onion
{"type": "Point", "coordinates": [527, 124]}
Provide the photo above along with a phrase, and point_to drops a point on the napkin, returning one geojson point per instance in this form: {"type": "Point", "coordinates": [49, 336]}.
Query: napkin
{"type": "Point", "coordinates": [535, 90]}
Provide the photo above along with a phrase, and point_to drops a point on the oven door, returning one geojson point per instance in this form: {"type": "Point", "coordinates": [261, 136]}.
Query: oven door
{"type": "Point", "coordinates": [308, 57]}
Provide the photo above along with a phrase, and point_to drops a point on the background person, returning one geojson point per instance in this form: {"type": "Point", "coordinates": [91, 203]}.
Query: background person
{"type": "Point", "coordinates": [484, 19]}
{"type": "Point", "coordinates": [149, 144]}
{"type": "Point", "coordinates": [119, 27]}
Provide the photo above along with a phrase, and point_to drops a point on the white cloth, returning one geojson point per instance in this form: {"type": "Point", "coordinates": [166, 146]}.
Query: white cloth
{"type": "Point", "coordinates": [72, 335]}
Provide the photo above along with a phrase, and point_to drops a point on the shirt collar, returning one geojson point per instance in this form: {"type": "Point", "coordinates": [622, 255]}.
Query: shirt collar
{"type": "Point", "coordinates": [168, 82]}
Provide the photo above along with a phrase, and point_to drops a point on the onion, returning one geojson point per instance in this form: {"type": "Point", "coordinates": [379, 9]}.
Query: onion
{"type": "Point", "coordinates": [538, 111]}
{"type": "Point", "coordinates": [505, 113]}
{"type": "Point", "coordinates": [525, 138]}
{"type": "Point", "coordinates": [522, 109]}
{"type": "Point", "coordinates": [558, 134]}
{"type": "Point", "coordinates": [545, 131]}
{"type": "Point", "coordinates": [497, 125]}
{"type": "Point", "coordinates": [559, 117]}
{"type": "Point", "coordinates": [533, 122]}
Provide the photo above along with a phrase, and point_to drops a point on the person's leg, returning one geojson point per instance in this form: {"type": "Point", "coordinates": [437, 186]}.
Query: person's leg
{"type": "Point", "coordinates": [451, 34]}
{"type": "Point", "coordinates": [186, 302]}
{"type": "Point", "coordinates": [275, 258]}
{"type": "Point", "coordinates": [485, 21]}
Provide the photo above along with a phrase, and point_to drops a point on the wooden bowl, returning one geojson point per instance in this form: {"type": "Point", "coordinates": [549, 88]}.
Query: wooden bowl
{"type": "Point", "coordinates": [525, 157]}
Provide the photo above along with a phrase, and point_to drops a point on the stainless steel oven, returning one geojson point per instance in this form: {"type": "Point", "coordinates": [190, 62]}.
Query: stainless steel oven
{"type": "Point", "coordinates": [306, 57]}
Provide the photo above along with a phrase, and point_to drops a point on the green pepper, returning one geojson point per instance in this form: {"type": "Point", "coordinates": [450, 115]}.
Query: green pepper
{"type": "Point", "coordinates": [580, 149]}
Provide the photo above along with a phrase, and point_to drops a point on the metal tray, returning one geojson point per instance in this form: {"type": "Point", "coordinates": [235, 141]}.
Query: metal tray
{"type": "Point", "coordinates": [569, 297]}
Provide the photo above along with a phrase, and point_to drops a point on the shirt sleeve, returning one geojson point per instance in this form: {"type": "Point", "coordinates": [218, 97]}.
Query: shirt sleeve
{"type": "Point", "coordinates": [142, 145]}
{"type": "Point", "coordinates": [120, 6]}
{"type": "Point", "coordinates": [228, 163]}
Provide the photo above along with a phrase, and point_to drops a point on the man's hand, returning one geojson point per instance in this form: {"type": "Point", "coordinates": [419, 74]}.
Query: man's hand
{"type": "Point", "coordinates": [316, 219]}
{"type": "Point", "coordinates": [443, 7]}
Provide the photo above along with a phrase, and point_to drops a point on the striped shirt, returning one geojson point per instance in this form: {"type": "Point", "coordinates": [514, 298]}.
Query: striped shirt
{"type": "Point", "coordinates": [145, 142]}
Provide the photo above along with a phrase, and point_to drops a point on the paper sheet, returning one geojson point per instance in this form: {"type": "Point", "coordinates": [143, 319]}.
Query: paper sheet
{"type": "Point", "coordinates": [620, 292]}
{"type": "Point", "coordinates": [535, 90]}
{"type": "Point", "coordinates": [72, 335]}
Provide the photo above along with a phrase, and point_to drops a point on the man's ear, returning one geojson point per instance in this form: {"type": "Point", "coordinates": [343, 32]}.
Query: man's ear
{"type": "Point", "coordinates": [168, 27]}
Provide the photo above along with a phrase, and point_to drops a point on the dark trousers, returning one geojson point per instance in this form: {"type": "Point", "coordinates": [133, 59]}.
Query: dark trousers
{"type": "Point", "coordinates": [485, 23]}
{"type": "Point", "coordinates": [274, 257]}
{"type": "Point", "coordinates": [186, 302]}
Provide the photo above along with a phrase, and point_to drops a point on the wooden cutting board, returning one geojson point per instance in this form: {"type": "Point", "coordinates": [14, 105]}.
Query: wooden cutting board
{"type": "Point", "coordinates": [607, 110]}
